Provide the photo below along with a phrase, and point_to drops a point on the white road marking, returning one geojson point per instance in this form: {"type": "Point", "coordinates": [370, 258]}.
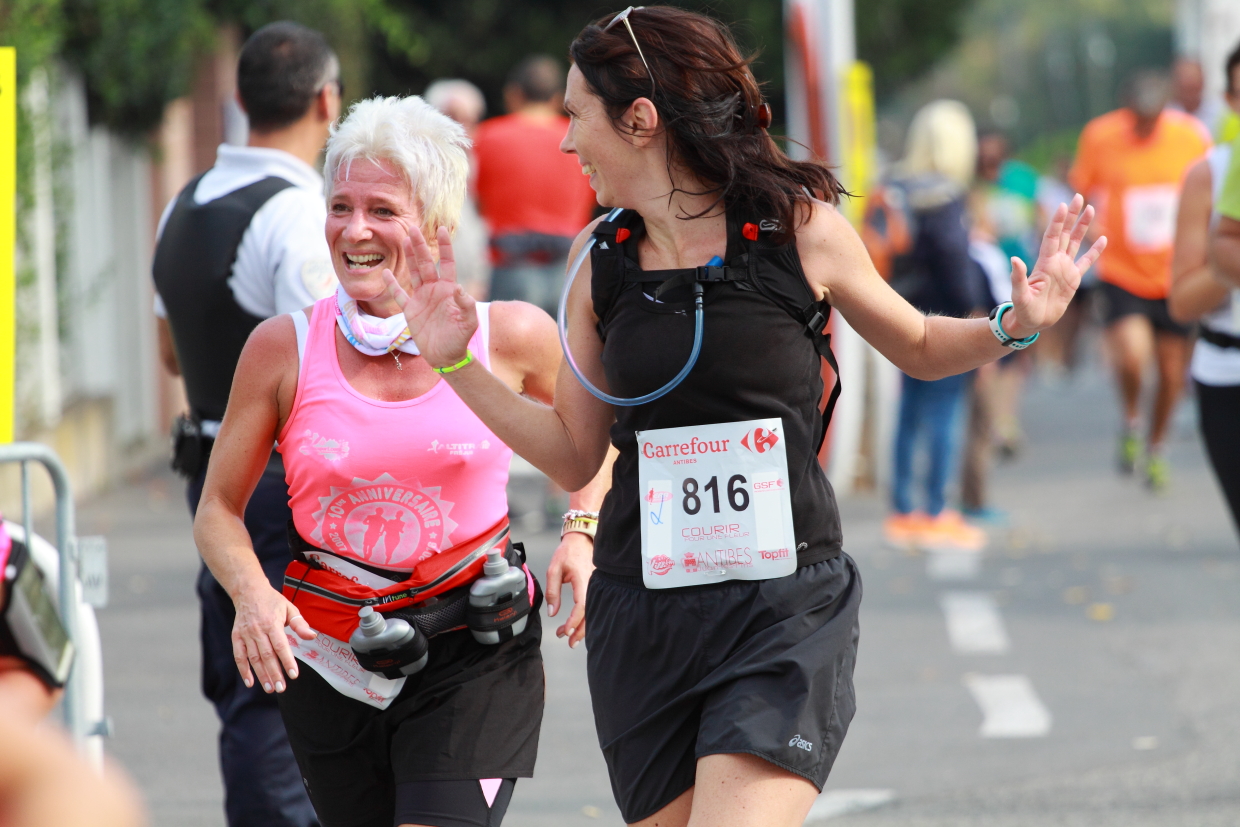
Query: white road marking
{"type": "Point", "coordinates": [834, 803]}
{"type": "Point", "coordinates": [1010, 707]}
{"type": "Point", "coordinates": [953, 564]}
{"type": "Point", "coordinates": [973, 623]}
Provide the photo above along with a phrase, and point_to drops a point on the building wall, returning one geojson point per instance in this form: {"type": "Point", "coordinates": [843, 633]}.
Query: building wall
{"type": "Point", "coordinates": [113, 401]}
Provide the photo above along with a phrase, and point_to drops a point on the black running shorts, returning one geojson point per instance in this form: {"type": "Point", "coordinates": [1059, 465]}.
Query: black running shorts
{"type": "Point", "coordinates": [1118, 303]}
{"type": "Point", "coordinates": [760, 667]}
{"type": "Point", "coordinates": [473, 712]}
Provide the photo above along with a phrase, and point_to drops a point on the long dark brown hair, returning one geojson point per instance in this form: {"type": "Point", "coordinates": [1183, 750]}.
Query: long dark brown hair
{"type": "Point", "coordinates": [710, 106]}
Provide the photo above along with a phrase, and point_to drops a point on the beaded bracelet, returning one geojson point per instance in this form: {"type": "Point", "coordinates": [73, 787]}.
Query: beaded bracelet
{"type": "Point", "coordinates": [583, 522]}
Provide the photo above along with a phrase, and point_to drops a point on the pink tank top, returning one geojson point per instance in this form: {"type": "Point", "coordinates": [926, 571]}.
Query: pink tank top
{"type": "Point", "coordinates": [387, 483]}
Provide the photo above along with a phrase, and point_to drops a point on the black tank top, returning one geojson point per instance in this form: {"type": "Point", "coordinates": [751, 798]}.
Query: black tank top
{"type": "Point", "coordinates": [757, 361]}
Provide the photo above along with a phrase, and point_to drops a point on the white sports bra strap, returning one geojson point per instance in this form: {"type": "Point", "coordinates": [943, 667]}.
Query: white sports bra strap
{"type": "Point", "coordinates": [302, 325]}
{"type": "Point", "coordinates": [484, 328]}
{"type": "Point", "coordinates": [1219, 160]}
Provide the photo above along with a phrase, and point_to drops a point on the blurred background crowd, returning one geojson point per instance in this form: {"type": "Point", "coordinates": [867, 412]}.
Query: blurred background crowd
{"type": "Point", "coordinates": [123, 102]}
{"type": "Point", "coordinates": [989, 114]}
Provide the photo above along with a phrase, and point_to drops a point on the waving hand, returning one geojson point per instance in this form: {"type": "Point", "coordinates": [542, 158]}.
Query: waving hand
{"type": "Point", "coordinates": [440, 314]}
{"type": "Point", "coordinates": [1039, 300]}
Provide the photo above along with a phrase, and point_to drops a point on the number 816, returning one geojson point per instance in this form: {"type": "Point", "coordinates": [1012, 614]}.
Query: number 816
{"type": "Point", "coordinates": [738, 495]}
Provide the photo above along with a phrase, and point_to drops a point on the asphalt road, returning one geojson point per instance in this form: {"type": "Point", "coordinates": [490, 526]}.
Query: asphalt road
{"type": "Point", "coordinates": [1096, 644]}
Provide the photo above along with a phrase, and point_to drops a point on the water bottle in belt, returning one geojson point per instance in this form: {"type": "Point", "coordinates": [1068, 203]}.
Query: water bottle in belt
{"type": "Point", "coordinates": [391, 647]}
{"type": "Point", "coordinates": [499, 601]}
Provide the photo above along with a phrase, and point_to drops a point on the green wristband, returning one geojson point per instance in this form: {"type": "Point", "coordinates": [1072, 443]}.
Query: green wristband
{"type": "Point", "coordinates": [469, 357]}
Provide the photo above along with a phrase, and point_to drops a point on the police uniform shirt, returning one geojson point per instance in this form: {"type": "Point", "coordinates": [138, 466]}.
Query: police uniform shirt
{"type": "Point", "coordinates": [283, 262]}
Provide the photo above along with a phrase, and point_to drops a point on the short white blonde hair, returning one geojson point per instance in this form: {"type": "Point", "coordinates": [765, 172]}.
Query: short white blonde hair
{"type": "Point", "coordinates": [942, 139]}
{"type": "Point", "coordinates": [427, 148]}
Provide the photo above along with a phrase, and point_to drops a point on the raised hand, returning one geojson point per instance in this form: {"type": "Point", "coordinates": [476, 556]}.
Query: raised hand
{"type": "Point", "coordinates": [1039, 300]}
{"type": "Point", "coordinates": [441, 315]}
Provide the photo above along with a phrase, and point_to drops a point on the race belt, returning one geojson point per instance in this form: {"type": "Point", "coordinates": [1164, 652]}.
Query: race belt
{"type": "Point", "coordinates": [329, 589]}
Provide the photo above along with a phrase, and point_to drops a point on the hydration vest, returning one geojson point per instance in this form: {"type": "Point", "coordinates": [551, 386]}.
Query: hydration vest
{"type": "Point", "coordinates": [193, 263]}
{"type": "Point", "coordinates": [755, 268]}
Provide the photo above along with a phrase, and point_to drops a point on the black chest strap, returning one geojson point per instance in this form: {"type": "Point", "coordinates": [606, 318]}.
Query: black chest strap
{"type": "Point", "coordinates": [742, 271]}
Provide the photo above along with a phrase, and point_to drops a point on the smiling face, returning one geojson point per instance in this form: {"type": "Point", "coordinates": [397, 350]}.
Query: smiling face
{"type": "Point", "coordinates": [369, 214]}
{"type": "Point", "coordinates": [615, 164]}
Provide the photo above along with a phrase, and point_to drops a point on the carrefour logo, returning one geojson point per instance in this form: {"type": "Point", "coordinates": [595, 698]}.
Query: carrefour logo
{"type": "Point", "coordinates": [760, 440]}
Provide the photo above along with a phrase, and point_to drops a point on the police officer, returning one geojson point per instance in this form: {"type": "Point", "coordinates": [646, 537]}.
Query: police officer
{"type": "Point", "coordinates": [242, 242]}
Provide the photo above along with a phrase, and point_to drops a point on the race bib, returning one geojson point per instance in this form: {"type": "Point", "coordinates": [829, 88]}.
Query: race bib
{"type": "Point", "coordinates": [715, 504]}
{"type": "Point", "coordinates": [1149, 217]}
{"type": "Point", "coordinates": [335, 661]}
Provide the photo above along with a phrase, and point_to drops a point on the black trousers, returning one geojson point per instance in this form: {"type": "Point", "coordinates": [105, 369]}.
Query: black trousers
{"type": "Point", "coordinates": [1219, 411]}
{"type": "Point", "coordinates": [262, 785]}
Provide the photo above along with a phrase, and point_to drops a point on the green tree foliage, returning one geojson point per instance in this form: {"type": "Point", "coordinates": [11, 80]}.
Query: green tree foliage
{"type": "Point", "coordinates": [136, 55]}
{"type": "Point", "coordinates": [418, 41]}
{"type": "Point", "coordinates": [34, 27]}
{"type": "Point", "coordinates": [901, 39]}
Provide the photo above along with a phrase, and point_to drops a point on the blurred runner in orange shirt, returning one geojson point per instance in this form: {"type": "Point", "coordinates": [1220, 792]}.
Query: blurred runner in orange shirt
{"type": "Point", "coordinates": [534, 198]}
{"type": "Point", "coordinates": [1129, 165]}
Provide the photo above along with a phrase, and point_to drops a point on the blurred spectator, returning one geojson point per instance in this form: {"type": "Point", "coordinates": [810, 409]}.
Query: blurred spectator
{"type": "Point", "coordinates": [1058, 349]}
{"type": "Point", "coordinates": [986, 390]}
{"type": "Point", "coordinates": [460, 100]}
{"type": "Point", "coordinates": [1188, 86]}
{"type": "Point", "coordinates": [936, 276]}
{"type": "Point", "coordinates": [43, 781]}
{"type": "Point", "coordinates": [242, 242]}
{"type": "Point", "coordinates": [1004, 197]}
{"type": "Point", "coordinates": [1198, 294]}
{"type": "Point", "coordinates": [1005, 211]}
{"type": "Point", "coordinates": [463, 102]}
{"type": "Point", "coordinates": [28, 687]}
{"type": "Point", "coordinates": [1129, 165]}
{"type": "Point", "coordinates": [534, 198]}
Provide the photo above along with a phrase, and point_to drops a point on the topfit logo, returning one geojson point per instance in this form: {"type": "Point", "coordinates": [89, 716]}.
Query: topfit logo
{"type": "Point", "coordinates": [801, 743]}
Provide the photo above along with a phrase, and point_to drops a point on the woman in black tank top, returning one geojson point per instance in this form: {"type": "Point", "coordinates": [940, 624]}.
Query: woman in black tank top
{"type": "Point", "coordinates": [742, 682]}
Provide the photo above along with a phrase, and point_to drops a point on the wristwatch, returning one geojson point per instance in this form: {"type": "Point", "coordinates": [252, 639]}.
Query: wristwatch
{"type": "Point", "coordinates": [996, 327]}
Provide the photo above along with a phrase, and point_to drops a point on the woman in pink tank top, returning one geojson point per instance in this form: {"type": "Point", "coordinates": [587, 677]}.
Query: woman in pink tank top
{"type": "Point", "coordinates": [397, 491]}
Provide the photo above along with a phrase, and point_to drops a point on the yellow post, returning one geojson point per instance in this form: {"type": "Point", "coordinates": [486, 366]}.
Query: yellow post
{"type": "Point", "coordinates": [8, 230]}
{"type": "Point", "coordinates": [858, 138]}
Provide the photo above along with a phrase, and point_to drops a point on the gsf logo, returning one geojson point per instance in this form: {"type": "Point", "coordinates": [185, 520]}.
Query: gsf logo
{"type": "Point", "coordinates": [800, 743]}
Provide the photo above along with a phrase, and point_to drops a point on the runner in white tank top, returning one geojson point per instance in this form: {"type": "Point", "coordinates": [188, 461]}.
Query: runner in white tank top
{"type": "Point", "coordinates": [378, 494]}
{"type": "Point", "coordinates": [1197, 295]}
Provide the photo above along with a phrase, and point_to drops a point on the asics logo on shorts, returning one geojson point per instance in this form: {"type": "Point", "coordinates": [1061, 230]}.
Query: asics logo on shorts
{"type": "Point", "coordinates": [801, 743]}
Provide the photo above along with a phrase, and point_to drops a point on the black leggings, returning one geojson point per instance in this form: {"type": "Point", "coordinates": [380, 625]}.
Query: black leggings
{"type": "Point", "coordinates": [1219, 408]}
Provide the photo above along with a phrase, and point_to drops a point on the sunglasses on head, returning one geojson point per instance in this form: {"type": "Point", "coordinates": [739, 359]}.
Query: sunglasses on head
{"type": "Point", "coordinates": [623, 17]}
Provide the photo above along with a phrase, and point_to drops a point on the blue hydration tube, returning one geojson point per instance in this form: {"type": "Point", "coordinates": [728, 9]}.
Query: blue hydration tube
{"type": "Point", "coordinates": [568, 354]}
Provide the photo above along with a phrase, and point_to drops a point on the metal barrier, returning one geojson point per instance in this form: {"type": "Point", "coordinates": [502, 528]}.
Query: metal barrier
{"type": "Point", "coordinates": [72, 596]}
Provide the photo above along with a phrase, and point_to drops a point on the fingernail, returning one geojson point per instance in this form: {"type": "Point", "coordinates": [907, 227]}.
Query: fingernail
{"type": "Point", "coordinates": [292, 673]}
{"type": "Point", "coordinates": [266, 687]}
{"type": "Point", "coordinates": [279, 686]}
{"type": "Point", "coordinates": [248, 682]}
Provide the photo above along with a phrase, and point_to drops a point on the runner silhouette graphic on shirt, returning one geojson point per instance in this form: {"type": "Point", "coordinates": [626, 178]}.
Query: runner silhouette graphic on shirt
{"type": "Point", "coordinates": [374, 531]}
{"type": "Point", "coordinates": [392, 531]}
